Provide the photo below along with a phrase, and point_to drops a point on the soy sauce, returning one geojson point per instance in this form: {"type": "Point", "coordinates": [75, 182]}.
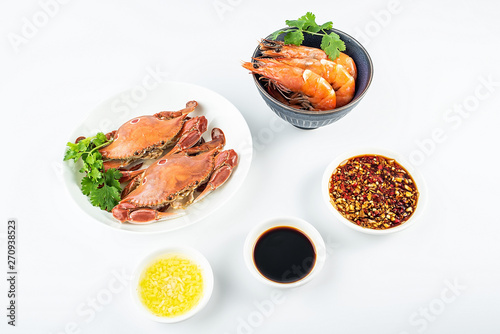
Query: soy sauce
{"type": "Point", "coordinates": [284, 254]}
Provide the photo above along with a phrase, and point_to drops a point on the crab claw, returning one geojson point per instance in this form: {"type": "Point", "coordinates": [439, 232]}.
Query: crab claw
{"type": "Point", "coordinates": [121, 165]}
{"type": "Point", "coordinates": [190, 134]}
{"type": "Point", "coordinates": [121, 211]}
{"type": "Point", "coordinates": [218, 141]}
{"type": "Point", "coordinates": [225, 161]}
{"type": "Point", "coordinates": [79, 138]}
{"type": "Point", "coordinates": [126, 211]}
{"type": "Point", "coordinates": [129, 174]}
{"type": "Point", "coordinates": [111, 135]}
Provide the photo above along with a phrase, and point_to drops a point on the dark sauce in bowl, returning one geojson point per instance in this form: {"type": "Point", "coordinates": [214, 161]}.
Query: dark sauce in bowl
{"type": "Point", "coordinates": [284, 254]}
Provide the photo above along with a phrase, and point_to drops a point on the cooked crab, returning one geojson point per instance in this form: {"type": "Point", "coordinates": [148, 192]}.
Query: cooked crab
{"type": "Point", "coordinates": [147, 137]}
{"type": "Point", "coordinates": [176, 181]}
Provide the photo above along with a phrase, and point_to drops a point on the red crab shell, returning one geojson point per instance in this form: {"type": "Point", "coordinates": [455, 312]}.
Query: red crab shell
{"type": "Point", "coordinates": [142, 133]}
{"type": "Point", "coordinates": [146, 137]}
{"type": "Point", "coordinates": [166, 179]}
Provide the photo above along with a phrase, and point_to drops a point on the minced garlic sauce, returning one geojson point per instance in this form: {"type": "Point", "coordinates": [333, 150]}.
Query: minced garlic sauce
{"type": "Point", "coordinates": [171, 286]}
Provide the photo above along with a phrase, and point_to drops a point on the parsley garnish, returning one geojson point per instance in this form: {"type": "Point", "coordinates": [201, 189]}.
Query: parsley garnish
{"type": "Point", "coordinates": [330, 43]}
{"type": "Point", "coordinates": [102, 187]}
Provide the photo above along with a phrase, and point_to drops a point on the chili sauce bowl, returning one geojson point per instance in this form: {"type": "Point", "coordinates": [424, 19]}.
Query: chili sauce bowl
{"type": "Point", "coordinates": [284, 252]}
{"type": "Point", "coordinates": [193, 290]}
{"type": "Point", "coordinates": [305, 119]}
{"type": "Point", "coordinates": [413, 172]}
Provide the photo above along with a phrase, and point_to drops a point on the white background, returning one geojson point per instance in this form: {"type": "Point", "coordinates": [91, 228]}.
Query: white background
{"type": "Point", "coordinates": [429, 58]}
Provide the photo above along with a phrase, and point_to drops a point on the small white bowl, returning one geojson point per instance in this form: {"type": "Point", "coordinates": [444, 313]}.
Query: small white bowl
{"type": "Point", "coordinates": [419, 181]}
{"type": "Point", "coordinates": [297, 223]}
{"type": "Point", "coordinates": [193, 255]}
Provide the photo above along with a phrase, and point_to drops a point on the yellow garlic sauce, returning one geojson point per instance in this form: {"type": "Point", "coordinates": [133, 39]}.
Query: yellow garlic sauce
{"type": "Point", "coordinates": [171, 286]}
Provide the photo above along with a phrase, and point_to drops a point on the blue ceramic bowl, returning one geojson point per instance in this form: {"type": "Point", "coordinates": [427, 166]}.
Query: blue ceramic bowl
{"type": "Point", "coordinates": [306, 119]}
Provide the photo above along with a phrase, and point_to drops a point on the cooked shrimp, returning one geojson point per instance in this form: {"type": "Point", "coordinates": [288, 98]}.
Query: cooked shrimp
{"type": "Point", "coordinates": [348, 64]}
{"type": "Point", "coordinates": [279, 49]}
{"type": "Point", "coordinates": [336, 75]}
{"type": "Point", "coordinates": [315, 88]}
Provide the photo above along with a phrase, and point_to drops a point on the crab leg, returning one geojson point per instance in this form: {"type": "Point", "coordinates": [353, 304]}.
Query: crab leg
{"type": "Point", "coordinates": [190, 106]}
{"type": "Point", "coordinates": [225, 161]}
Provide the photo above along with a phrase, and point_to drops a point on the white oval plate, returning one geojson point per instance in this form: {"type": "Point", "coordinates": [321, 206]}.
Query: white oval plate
{"type": "Point", "coordinates": [170, 96]}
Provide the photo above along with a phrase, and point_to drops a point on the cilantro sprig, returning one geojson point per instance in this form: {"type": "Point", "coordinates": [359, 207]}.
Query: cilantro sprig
{"type": "Point", "coordinates": [330, 42]}
{"type": "Point", "coordinates": [102, 187]}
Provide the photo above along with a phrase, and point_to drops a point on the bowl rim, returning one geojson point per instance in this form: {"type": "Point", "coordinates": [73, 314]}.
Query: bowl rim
{"type": "Point", "coordinates": [289, 221]}
{"type": "Point", "coordinates": [320, 112]}
{"type": "Point", "coordinates": [192, 254]}
{"type": "Point", "coordinates": [415, 174]}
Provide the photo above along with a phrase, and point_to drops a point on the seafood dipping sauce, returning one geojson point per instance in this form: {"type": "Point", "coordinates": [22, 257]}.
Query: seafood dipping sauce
{"type": "Point", "coordinates": [171, 286]}
{"type": "Point", "coordinates": [284, 254]}
{"type": "Point", "coordinates": [373, 191]}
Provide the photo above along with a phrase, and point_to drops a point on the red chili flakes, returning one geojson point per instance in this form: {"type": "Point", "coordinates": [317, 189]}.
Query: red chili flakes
{"type": "Point", "coordinates": [373, 191]}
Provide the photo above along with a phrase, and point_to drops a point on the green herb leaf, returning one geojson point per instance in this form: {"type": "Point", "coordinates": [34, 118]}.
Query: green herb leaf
{"type": "Point", "coordinates": [332, 45]}
{"type": "Point", "coordinates": [90, 159]}
{"type": "Point", "coordinates": [71, 152]}
{"type": "Point", "coordinates": [102, 187]}
{"type": "Point", "coordinates": [326, 26]}
{"type": "Point", "coordinates": [295, 23]}
{"type": "Point", "coordinates": [83, 145]}
{"type": "Point", "coordinates": [275, 34]}
{"type": "Point", "coordinates": [294, 37]}
{"type": "Point", "coordinates": [88, 186]}
{"type": "Point", "coordinates": [105, 197]}
{"type": "Point", "coordinates": [111, 177]}
{"type": "Point", "coordinates": [98, 164]}
{"type": "Point", "coordinates": [309, 22]}
{"type": "Point", "coordinates": [95, 174]}
{"type": "Point", "coordinates": [100, 139]}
